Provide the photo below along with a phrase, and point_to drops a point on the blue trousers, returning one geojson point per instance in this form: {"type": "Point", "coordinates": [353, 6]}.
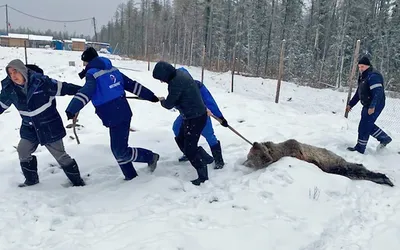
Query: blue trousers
{"type": "Point", "coordinates": [367, 127]}
{"type": "Point", "coordinates": [207, 132]}
{"type": "Point", "coordinates": [124, 154]}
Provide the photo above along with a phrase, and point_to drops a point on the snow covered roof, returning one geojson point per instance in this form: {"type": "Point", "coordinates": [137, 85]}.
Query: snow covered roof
{"type": "Point", "coordinates": [29, 37]}
{"type": "Point", "coordinates": [40, 38]}
{"type": "Point", "coordinates": [99, 43]}
{"type": "Point", "coordinates": [20, 36]}
{"type": "Point", "coordinates": [81, 40]}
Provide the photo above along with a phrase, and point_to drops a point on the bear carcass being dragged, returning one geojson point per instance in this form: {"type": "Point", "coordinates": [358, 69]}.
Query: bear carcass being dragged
{"type": "Point", "coordinates": [261, 155]}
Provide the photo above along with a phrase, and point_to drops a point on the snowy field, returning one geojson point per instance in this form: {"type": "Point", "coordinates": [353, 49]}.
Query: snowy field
{"type": "Point", "coordinates": [291, 205]}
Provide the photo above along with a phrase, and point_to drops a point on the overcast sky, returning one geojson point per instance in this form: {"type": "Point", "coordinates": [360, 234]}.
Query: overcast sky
{"type": "Point", "coordinates": [102, 10]}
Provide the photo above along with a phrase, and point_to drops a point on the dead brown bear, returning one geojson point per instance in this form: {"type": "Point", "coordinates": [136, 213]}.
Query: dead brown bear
{"type": "Point", "coordinates": [261, 155]}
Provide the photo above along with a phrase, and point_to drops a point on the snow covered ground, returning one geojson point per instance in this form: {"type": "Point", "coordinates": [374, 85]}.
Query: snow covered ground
{"type": "Point", "coordinates": [290, 205]}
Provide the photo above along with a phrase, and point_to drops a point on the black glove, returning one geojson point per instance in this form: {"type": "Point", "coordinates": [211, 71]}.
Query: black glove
{"type": "Point", "coordinates": [70, 115]}
{"type": "Point", "coordinates": [224, 122]}
{"type": "Point", "coordinates": [82, 74]}
{"type": "Point", "coordinates": [154, 99]}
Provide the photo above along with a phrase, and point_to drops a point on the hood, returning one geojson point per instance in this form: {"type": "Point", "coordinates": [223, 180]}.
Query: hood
{"type": "Point", "coordinates": [101, 63]}
{"type": "Point", "coordinates": [164, 71]}
{"type": "Point", "coordinates": [20, 67]}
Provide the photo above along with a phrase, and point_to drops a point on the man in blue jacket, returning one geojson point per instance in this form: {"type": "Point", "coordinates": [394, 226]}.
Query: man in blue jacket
{"type": "Point", "coordinates": [371, 94]}
{"type": "Point", "coordinates": [105, 86]}
{"type": "Point", "coordinates": [33, 94]}
{"type": "Point", "coordinates": [208, 131]}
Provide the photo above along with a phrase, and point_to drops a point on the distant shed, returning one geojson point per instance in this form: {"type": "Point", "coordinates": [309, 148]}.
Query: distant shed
{"type": "Point", "coordinates": [14, 40]}
{"type": "Point", "coordinates": [36, 41]}
{"type": "Point", "coordinates": [98, 45]}
{"type": "Point", "coordinates": [58, 45]}
{"type": "Point", "coordinates": [78, 44]}
{"type": "Point", "coordinates": [67, 44]}
{"type": "Point", "coordinates": [18, 40]}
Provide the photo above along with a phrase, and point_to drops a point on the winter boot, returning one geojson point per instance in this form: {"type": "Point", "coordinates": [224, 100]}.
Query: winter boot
{"type": "Point", "coordinates": [29, 169]}
{"type": "Point", "coordinates": [357, 148]}
{"type": "Point", "coordinates": [206, 158]}
{"type": "Point", "coordinates": [73, 174]}
{"type": "Point", "coordinates": [128, 170]}
{"type": "Point", "coordinates": [202, 172]}
{"type": "Point", "coordinates": [145, 156]}
{"type": "Point", "coordinates": [384, 143]}
{"type": "Point", "coordinates": [217, 153]}
{"type": "Point", "coordinates": [200, 167]}
{"type": "Point", "coordinates": [153, 164]}
{"type": "Point", "coordinates": [183, 158]}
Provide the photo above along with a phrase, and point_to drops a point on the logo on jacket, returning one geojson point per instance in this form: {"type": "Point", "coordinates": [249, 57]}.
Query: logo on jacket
{"type": "Point", "coordinates": [113, 78]}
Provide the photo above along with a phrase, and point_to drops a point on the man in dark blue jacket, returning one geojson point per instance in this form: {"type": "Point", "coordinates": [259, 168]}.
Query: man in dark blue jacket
{"type": "Point", "coordinates": [105, 86]}
{"type": "Point", "coordinates": [33, 94]}
{"type": "Point", "coordinates": [184, 95]}
{"type": "Point", "coordinates": [371, 93]}
{"type": "Point", "coordinates": [208, 131]}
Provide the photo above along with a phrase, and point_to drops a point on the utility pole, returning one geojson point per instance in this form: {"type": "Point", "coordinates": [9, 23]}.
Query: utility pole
{"type": "Point", "coordinates": [95, 32]}
{"type": "Point", "coordinates": [7, 23]}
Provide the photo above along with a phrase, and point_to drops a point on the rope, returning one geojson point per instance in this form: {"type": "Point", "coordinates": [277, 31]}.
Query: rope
{"type": "Point", "coordinates": [233, 130]}
{"type": "Point", "coordinates": [74, 128]}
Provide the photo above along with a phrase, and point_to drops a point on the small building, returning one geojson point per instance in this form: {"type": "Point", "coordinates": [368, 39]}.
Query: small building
{"type": "Point", "coordinates": [58, 45]}
{"type": "Point", "coordinates": [98, 45]}
{"type": "Point", "coordinates": [18, 40]}
{"type": "Point", "coordinates": [36, 41]}
{"type": "Point", "coordinates": [67, 45]}
{"type": "Point", "coordinates": [14, 40]}
{"type": "Point", "coordinates": [78, 44]}
{"type": "Point", "coordinates": [4, 40]}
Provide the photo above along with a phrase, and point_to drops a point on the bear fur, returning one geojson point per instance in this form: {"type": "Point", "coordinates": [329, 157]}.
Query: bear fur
{"type": "Point", "coordinates": [261, 155]}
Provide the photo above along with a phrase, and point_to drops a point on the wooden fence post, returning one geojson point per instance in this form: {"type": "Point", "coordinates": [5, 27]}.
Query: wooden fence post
{"type": "Point", "coordinates": [175, 56]}
{"type": "Point", "coordinates": [163, 50]}
{"type": "Point", "coordinates": [278, 87]}
{"type": "Point", "coordinates": [233, 63]}
{"type": "Point", "coordinates": [148, 58]}
{"type": "Point", "coordinates": [203, 63]}
{"type": "Point", "coordinates": [26, 54]}
{"type": "Point", "coordinates": [351, 77]}
{"type": "Point", "coordinates": [233, 73]}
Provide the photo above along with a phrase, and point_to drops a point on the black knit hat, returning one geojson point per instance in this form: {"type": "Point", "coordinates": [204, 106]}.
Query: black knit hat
{"type": "Point", "coordinates": [89, 54]}
{"type": "Point", "coordinates": [364, 60]}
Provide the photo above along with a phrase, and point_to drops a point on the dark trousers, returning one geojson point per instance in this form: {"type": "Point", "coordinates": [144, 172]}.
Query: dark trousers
{"type": "Point", "coordinates": [124, 154]}
{"type": "Point", "coordinates": [188, 139]}
{"type": "Point", "coordinates": [207, 133]}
